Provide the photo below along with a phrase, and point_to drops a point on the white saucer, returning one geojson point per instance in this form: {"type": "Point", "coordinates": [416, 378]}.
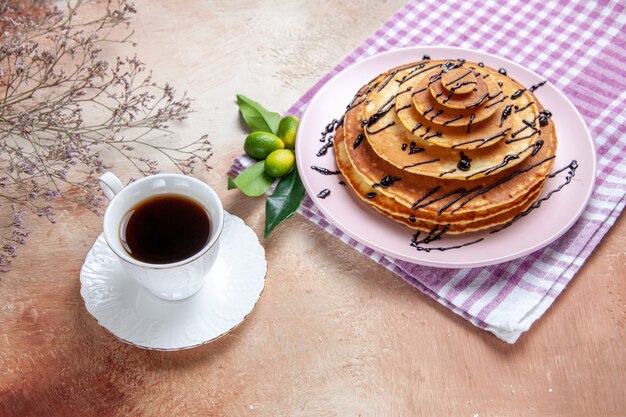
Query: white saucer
{"type": "Point", "coordinates": [137, 317]}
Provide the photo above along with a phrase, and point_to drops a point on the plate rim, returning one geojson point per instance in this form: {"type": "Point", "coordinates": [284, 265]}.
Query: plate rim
{"type": "Point", "coordinates": [451, 263]}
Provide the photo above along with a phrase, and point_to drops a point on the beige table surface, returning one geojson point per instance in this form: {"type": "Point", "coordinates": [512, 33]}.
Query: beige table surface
{"type": "Point", "coordinates": [334, 334]}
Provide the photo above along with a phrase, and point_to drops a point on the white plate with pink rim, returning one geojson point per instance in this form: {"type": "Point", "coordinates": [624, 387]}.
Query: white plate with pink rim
{"type": "Point", "coordinates": [532, 232]}
{"type": "Point", "coordinates": [135, 316]}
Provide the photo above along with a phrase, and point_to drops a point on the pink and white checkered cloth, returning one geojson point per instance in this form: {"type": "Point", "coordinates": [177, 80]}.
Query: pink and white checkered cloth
{"type": "Point", "coordinates": [580, 47]}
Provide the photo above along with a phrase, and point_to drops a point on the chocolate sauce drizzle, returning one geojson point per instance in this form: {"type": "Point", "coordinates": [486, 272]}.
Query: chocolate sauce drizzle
{"type": "Point", "coordinates": [435, 234]}
{"type": "Point", "coordinates": [536, 86]}
{"type": "Point", "coordinates": [527, 125]}
{"type": "Point", "coordinates": [439, 112]}
{"type": "Point", "coordinates": [416, 205]}
{"type": "Point", "coordinates": [530, 135]}
{"type": "Point", "coordinates": [454, 119]}
{"type": "Point", "coordinates": [495, 95]}
{"type": "Point", "coordinates": [502, 71]}
{"type": "Point", "coordinates": [460, 77]}
{"type": "Point", "coordinates": [373, 132]}
{"type": "Point", "coordinates": [508, 158]}
{"type": "Point", "coordinates": [433, 135]}
{"type": "Point", "coordinates": [464, 163]}
{"type": "Point", "coordinates": [383, 110]}
{"type": "Point", "coordinates": [330, 128]}
{"type": "Point", "coordinates": [505, 113]}
{"type": "Point", "coordinates": [370, 195]}
{"type": "Point", "coordinates": [324, 171]}
{"type": "Point", "coordinates": [483, 140]}
{"type": "Point", "coordinates": [456, 87]}
{"type": "Point", "coordinates": [479, 102]}
{"type": "Point", "coordinates": [434, 78]}
{"type": "Point", "coordinates": [470, 122]}
{"type": "Point", "coordinates": [439, 231]}
{"type": "Point", "coordinates": [414, 150]}
{"type": "Point", "coordinates": [327, 136]}
{"type": "Point", "coordinates": [358, 140]}
{"type": "Point", "coordinates": [495, 102]}
{"type": "Point", "coordinates": [420, 163]}
{"type": "Point", "coordinates": [363, 96]}
{"type": "Point", "coordinates": [387, 79]}
{"type": "Point", "coordinates": [568, 178]}
{"type": "Point", "coordinates": [572, 165]}
{"type": "Point", "coordinates": [502, 181]}
{"type": "Point", "coordinates": [543, 117]}
{"type": "Point", "coordinates": [324, 193]}
{"type": "Point", "coordinates": [517, 94]}
{"type": "Point", "coordinates": [519, 109]}
{"type": "Point", "coordinates": [404, 146]}
{"type": "Point", "coordinates": [421, 90]}
{"type": "Point", "coordinates": [446, 66]}
{"type": "Point", "coordinates": [324, 149]}
{"type": "Point", "coordinates": [386, 182]}
{"type": "Point", "coordinates": [416, 69]}
{"type": "Point", "coordinates": [462, 192]}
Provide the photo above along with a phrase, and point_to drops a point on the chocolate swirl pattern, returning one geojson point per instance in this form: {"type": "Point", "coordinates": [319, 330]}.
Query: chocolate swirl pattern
{"type": "Point", "coordinates": [446, 145]}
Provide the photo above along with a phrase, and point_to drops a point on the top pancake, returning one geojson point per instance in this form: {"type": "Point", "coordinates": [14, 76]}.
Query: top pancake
{"type": "Point", "coordinates": [428, 117]}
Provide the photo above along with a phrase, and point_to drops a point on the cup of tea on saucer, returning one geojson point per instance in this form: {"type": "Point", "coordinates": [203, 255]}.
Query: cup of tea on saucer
{"type": "Point", "coordinates": [165, 230]}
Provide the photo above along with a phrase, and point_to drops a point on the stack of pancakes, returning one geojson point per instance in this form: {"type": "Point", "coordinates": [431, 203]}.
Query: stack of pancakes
{"type": "Point", "coordinates": [449, 144]}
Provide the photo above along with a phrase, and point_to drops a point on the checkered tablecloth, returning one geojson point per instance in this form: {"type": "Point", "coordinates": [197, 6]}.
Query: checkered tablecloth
{"type": "Point", "coordinates": [580, 47]}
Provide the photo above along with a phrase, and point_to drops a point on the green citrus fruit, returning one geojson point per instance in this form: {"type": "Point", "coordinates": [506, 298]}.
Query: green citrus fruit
{"type": "Point", "coordinates": [287, 131]}
{"type": "Point", "coordinates": [279, 163]}
{"type": "Point", "coordinates": [260, 144]}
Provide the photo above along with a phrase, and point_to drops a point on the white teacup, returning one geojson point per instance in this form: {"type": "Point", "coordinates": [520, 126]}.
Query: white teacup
{"type": "Point", "coordinates": [172, 281]}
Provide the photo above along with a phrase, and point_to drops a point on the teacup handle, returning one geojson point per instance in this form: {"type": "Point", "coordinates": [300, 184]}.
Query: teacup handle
{"type": "Point", "coordinates": [110, 184]}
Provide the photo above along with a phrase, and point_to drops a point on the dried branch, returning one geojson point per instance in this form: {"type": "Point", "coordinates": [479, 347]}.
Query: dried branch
{"type": "Point", "coordinates": [62, 106]}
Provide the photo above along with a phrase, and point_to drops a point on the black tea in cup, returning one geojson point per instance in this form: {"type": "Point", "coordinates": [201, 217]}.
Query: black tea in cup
{"type": "Point", "coordinates": [165, 229]}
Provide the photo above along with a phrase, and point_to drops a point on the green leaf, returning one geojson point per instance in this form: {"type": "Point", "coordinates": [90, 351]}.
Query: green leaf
{"type": "Point", "coordinates": [283, 202]}
{"type": "Point", "coordinates": [253, 181]}
{"type": "Point", "coordinates": [257, 117]}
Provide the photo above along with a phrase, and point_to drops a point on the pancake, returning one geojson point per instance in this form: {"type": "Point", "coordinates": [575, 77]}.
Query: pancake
{"type": "Point", "coordinates": [411, 187]}
{"type": "Point", "coordinates": [492, 196]}
{"type": "Point", "coordinates": [411, 218]}
{"type": "Point", "coordinates": [398, 114]}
